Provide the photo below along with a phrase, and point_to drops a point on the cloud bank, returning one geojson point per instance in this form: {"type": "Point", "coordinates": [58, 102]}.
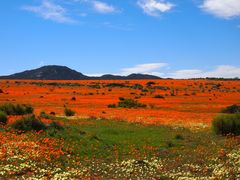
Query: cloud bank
{"type": "Point", "coordinates": [155, 7]}
{"type": "Point", "coordinates": [50, 11]}
{"type": "Point", "coordinates": [222, 8]}
{"type": "Point", "coordinates": [143, 68]}
{"type": "Point", "coordinates": [221, 71]}
{"type": "Point", "coordinates": [163, 70]}
{"type": "Point", "coordinates": [103, 7]}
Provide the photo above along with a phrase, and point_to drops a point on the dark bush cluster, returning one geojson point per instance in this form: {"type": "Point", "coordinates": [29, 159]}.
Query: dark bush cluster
{"type": "Point", "coordinates": [227, 124]}
{"type": "Point", "coordinates": [121, 98]}
{"type": "Point", "coordinates": [29, 123]}
{"type": "Point", "coordinates": [233, 109]}
{"type": "Point", "coordinates": [55, 125]}
{"type": "Point", "coordinates": [69, 112]}
{"type": "Point", "coordinates": [46, 116]}
{"type": "Point", "coordinates": [137, 86]}
{"type": "Point", "coordinates": [18, 109]}
{"type": "Point", "coordinates": [150, 83]}
{"type": "Point", "coordinates": [3, 118]}
{"type": "Point", "coordinates": [130, 103]}
{"type": "Point", "coordinates": [112, 106]}
{"type": "Point", "coordinates": [159, 96]}
{"type": "Point", "coordinates": [54, 128]}
{"type": "Point", "coordinates": [127, 103]}
{"type": "Point", "coordinates": [119, 85]}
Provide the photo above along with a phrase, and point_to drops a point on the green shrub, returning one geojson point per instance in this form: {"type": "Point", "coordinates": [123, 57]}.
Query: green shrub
{"type": "Point", "coordinates": [233, 109]}
{"type": "Point", "coordinates": [3, 118]}
{"type": "Point", "coordinates": [159, 96]}
{"type": "Point", "coordinates": [179, 137]}
{"type": "Point", "coordinates": [28, 124]}
{"type": "Point", "coordinates": [137, 86]}
{"type": "Point", "coordinates": [121, 98]}
{"type": "Point", "coordinates": [45, 115]}
{"type": "Point", "coordinates": [112, 106]}
{"type": "Point", "coordinates": [120, 85]}
{"type": "Point", "coordinates": [53, 113]}
{"type": "Point", "coordinates": [18, 109]}
{"type": "Point", "coordinates": [227, 124]}
{"type": "Point", "coordinates": [56, 125]}
{"type": "Point", "coordinates": [54, 129]}
{"type": "Point", "coordinates": [150, 83]}
{"type": "Point", "coordinates": [130, 103]}
{"type": "Point", "coordinates": [69, 112]}
{"type": "Point", "coordinates": [169, 144]}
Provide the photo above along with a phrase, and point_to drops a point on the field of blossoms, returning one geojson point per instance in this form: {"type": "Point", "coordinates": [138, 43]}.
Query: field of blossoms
{"type": "Point", "coordinates": [174, 102]}
{"type": "Point", "coordinates": [119, 130]}
{"type": "Point", "coordinates": [94, 148]}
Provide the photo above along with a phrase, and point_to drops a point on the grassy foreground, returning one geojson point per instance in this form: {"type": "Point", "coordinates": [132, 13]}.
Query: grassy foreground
{"type": "Point", "coordinates": [91, 148]}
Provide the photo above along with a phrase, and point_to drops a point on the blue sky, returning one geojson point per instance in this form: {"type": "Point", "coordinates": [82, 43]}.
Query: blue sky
{"type": "Point", "coordinates": [169, 38]}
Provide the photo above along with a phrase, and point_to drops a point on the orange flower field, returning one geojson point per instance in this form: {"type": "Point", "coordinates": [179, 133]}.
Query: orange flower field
{"type": "Point", "coordinates": [182, 102]}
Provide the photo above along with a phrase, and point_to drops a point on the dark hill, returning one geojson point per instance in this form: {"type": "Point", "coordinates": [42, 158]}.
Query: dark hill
{"type": "Point", "coordinates": [54, 72]}
{"type": "Point", "coordinates": [142, 76]}
{"type": "Point", "coordinates": [48, 73]}
{"type": "Point", "coordinates": [129, 77]}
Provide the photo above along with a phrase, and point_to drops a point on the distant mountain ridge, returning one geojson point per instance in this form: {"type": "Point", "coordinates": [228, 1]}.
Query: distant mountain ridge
{"type": "Point", "coordinates": [55, 72]}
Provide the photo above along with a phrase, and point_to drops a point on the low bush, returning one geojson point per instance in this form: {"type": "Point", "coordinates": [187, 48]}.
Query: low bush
{"type": "Point", "coordinates": [28, 124]}
{"type": "Point", "coordinates": [227, 124]}
{"type": "Point", "coordinates": [69, 112]}
{"type": "Point", "coordinates": [45, 115]}
{"type": "Point", "coordinates": [3, 118]}
{"type": "Point", "coordinates": [53, 113]}
{"type": "Point", "coordinates": [159, 96]}
{"type": "Point", "coordinates": [56, 125]}
{"type": "Point", "coordinates": [233, 109]}
{"type": "Point", "coordinates": [121, 98]}
{"type": "Point", "coordinates": [112, 106]}
{"type": "Point", "coordinates": [130, 103]}
{"type": "Point", "coordinates": [137, 86]}
{"type": "Point", "coordinates": [144, 90]}
{"type": "Point", "coordinates": [54, 129]}
{"type": "Point", "coordinates": [18, 109]}
{"type": "Point", "coordinates": [179, 137]}
{"type": "Point", "coordinates": [119, 85]}
{"type": "Point", "coordinates": [150, 83]}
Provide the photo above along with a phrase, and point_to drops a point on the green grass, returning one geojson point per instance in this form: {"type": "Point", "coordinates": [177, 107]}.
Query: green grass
{"type": "Point", "coordinates": [102, 138]}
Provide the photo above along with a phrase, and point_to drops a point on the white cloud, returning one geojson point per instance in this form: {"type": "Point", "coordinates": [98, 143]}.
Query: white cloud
{"type": "Point", "coordinates": [222, 71]}
{"type": "Point", "coordinates": [157, 69]}
{"type": "Point", "coordinates": [226, 71]}
{"type": "Point", "coordinates": [102, 7]}
{"type": "Point", "coordinates": [50, 11]}
{"type": "Point", "coordinates": [155, 7]}
{"type": "Point", "coordinates": [144, 69]}
{"type": "Point", "coordinates": [95, 74]}
{"type": "Point", "coordinates": [186, 73]}
{"type": "Point", "coordinates": [222, 8]}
